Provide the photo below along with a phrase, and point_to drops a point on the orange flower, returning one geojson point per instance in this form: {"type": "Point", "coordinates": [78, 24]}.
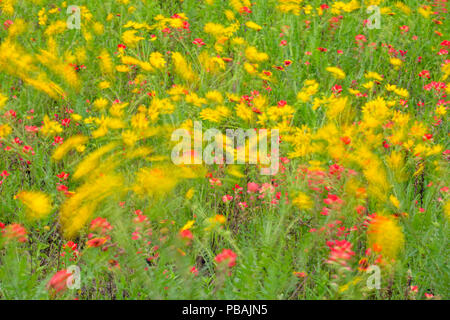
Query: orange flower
{"type": "Point", "coordinates": [96, 242]}
{"type": "Point", "coordinates": [298, 274]}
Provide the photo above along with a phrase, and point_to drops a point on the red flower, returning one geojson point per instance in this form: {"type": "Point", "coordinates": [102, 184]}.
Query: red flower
{"type": "Point", "coordinates": [360, 209]}
{"type": "Point", "coordinates": [7, 24]}
{"type": "Point", "coordinates": [424, 74]}
{"type": "Point", "coordinates": [199, 42]}
{"type": "Point", "coordinates": [63, 175]}
{"type": "Point", "coordinates": [31, 129]}
{"type": "Point", "coordinates": [282, 103]}
{"type": "Point", "coordinates": [252, 187]}
{"type": "Point", "coordinates": [65, 122]}
{"type": "Point", "coordinates": [100, 223]}
{"type": "Point", "coordinates": [226, 198]}
{"type": "Point", "coordinates": [61, 187]}
{"type": "Point", "coordinates": [186, 234]}
{"type": "Point", "coordinates": [27, 149]}
{"type": "Point", "coordinates": [15, 231]}
{"type": "Point", "coordinates": [336, 89]}
{"type": "Point", "coordinates": [194, 271]}
{"type": "Point", "coordinates": [332, 198]}
{"type": "Point", "coordinates": [404, 29]}
{"type": "Point", "coordinates": [360, 38]}
{"type": "Point", "coordinates": [346, 140]}
{"type": "Point", "coordinates": [71, 245]}
{"type": "Point", "coordinates": [226, 257]}
{"type": "Point", "coordinates": [340, 252]}
{"type": "Point", "coordinates": [58, 283]}
{"type": "Point", "coordinates": [245, 10]}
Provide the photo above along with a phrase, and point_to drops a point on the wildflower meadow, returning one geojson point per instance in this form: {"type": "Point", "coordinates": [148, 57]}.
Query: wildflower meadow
{"type": "Point", "coordinates": [224, 149]}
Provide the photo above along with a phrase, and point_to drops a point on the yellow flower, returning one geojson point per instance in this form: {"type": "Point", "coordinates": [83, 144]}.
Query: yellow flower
{"type": "Point", "coordinates": [219, 31]}
{"type": "Point", "coordinates": [390, 87]}
{"type": "Point", "coordinates": [252, 54]}
{"type": "Point", "coordinates": [368, 85]}
{"type": "Point", "coordinates": [373, 75]}
{"type": "Point", "coordinates": [386, 236]}
{"type": "Point", "coordinates": [154, 182]}
{"type": "Point", "coordinates": [100, 103]}
{"type": "Point", "coordinates": [394, 201]}
{"type": "Point", "coordinates": [215, 221]}
{"type": "Point", "coordinates": [77, 209]}
{"type": "Point", "coordinates": [244, 112]}
{"type": "Point", "coordinates": [190, 193]}
{"type": "Point", "coordinates": [123, 68]}
{"type": "Point", "coordinates": [377, 178]}
{"type": "Point", "coordinates": [3, 100]}
{"type": "Point", "coordinates": [56, 27]}
{"type": "Point", "coordinates": [42, 17]}
{"type": "Point", "coordinates": [396, 62]}
{"type": "Point", "coordinates": [90, 162]}
{"type": "Point", "coordinates": [214, 96]}
{"type": "Point", "coordinates": [238, 41]}
{"type": "Point", "coordinates": [182, 67]}
{"type": "Point", "coordinates": [37, 203]}
{"type": "Point", "coordinates": [104, 85]}
{"type": "Point", "coordinates": [235, 171]}
{"type": "Point", "coordinates": [253, 25]}
{"type": "Point", "coordinates": [441, 110]}
{"type": "Point", "coordinates": [188, 225]}
{"type": "Point", "coordinates": [98, 28]}
{"type": "Point", "coordinates": [157, 60]}
{"type": "Point", "coordinates": [106, 63]}
{"type": "Point", "coordinates": [215, 115]}
{"type": "Point", "coordinates": [303, 201]}
{"type": "Point", "coordinates": [71, 143]}
{"type": "Point", "coordinates": [251, 68]}
{"type": "Point", "coordinates": [130, 38]}
{"type": "Point", "coordinates": [129, 60]}
{"type": "Point", "coordinates": [402, 92]}
{"type": "Point", "coordinates": [403, 7]}
{"type": "Point", "coordinates": [18, 27]}
{"type": "Point", "coordinates": [336, 72]}
{"type": "Point", "coordinates": [50, 127]}
{"type": "Point", "coordinates": [5, 130]}
{"type": "Point", "coordinates": [425, 11]}
{"type": "Point", "coordinates": [447, 209]}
